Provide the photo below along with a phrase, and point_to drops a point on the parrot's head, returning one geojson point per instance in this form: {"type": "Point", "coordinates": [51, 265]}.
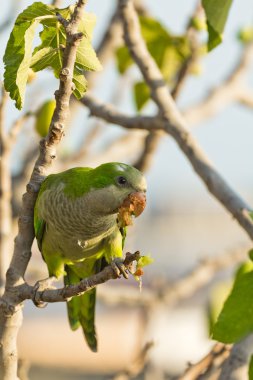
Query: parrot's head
{"type": "Point", "coordinates": [121, 189]}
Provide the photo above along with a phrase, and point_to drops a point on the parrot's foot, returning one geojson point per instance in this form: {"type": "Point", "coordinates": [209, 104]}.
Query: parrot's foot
{"type": "Point", "coordinates": [119, 267]}
{"type": "Point", "coordinates": [39, 287]}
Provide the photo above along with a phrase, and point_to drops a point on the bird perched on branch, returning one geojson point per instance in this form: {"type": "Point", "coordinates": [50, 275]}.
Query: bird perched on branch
{"type": "Point", "coordinates": [80, 221]}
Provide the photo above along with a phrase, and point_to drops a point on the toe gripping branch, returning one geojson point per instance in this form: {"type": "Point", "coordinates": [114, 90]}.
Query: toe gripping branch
{"type": "Point", "coordinates": [125, 266]}
{"type": "Point", "coordinates": [40, 286]}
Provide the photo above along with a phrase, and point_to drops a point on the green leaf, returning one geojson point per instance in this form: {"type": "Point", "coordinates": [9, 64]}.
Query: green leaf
{"type": "Point", "coordinates": [236, 318]}
{"type": "Point", "coordinates": [250, 254]}
{"type": "Point", "coordinates": [53, 41]}
{"type": "Point", "coordinates": [123, 59]}
{"type": "Point", "coordinates": [217, 296]}
{"type": "Point", "coordinates": [141, 94]}
{"type": "Point", "coordinates": [169, 52]}
{"type": "Point", "coordinates": [251, 368]}
{"type": "Point", "coordinates": [44, 116]}
{"type": "Point", "coordinates": [18, 52]}
{"type": "Point", "coordinates": [144, 261]}
{"type": "Point", "coordinates": [86, 56]}
{"type": "Point", "coordinates": [245, 35]}
{"type": "Point", "coordinates": [44, 57]}
{"type": "Point", "coordinates": [216, 14]}
{"type": "Point", "coordinates": [19, 58]}
{"type": "Point", "coordinates": [80, 83]}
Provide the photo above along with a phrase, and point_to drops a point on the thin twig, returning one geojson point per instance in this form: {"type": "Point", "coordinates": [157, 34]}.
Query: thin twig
{"type": "Point", "coordinates": [180, 290]}
{"type": "Point", "coordinates": [154, 137]}
{"type": "Point", "coordinates": [218, 353]}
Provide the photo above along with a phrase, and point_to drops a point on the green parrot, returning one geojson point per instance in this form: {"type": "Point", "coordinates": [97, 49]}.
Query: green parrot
{"type": "Point", "coordinates": [79, 230]}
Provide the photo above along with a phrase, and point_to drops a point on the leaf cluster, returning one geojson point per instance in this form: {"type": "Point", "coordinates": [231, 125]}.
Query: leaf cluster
{"type": "Point", "coordinates": [21, 56]}
{"type": "Point", "coordinates": [216, 16]}
{"type": "Point", "coordinates": [169, 52]}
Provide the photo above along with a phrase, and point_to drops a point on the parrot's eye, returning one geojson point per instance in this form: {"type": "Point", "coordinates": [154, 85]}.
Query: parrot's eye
{"type": "Point", "coordinates": [121, 181]}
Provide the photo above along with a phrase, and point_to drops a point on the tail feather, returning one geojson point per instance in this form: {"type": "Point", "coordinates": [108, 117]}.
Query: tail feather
{"type": "Point", "coordinates": [81, 310]}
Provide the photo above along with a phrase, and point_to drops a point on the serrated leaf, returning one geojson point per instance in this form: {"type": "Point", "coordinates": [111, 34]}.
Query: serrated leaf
{"type": "Point", "coordinates": [80, 84]}
{"type": "Point", "coordinates": [216, 14]}
{"type": "Point", "coordinates": [53, 41]}
{"type": "Point", "coordinates": [18, 52]}
{"type": "Point", "coordinates": [169, 52]}
{"type": "Point", "coordinates": [236, 318]}
{"type": "Point", "coordinates": [141, 94]}
{"type": "Point", "coordinates": [17, 62]}
{"type": "Point", "coordinates": [87, 24]}
{"type": "Point", "coordinates": [86, 56]}
{"type": "Point", "coordinates": [45, 57]}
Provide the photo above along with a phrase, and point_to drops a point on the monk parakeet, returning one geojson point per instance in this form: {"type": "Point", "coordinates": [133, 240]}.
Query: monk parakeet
{"type": "Point", "coordinates": [79, 229]}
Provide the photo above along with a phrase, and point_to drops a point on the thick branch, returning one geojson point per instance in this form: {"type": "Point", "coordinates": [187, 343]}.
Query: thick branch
{"type": "Point", "coordinates": [175, 124]}
{"type": "Point", "coordinates": [11, 315]}
{"type": "Point", "coordinates": [59, 295]}
{"type": "Point", "coordinates": [5, 193]}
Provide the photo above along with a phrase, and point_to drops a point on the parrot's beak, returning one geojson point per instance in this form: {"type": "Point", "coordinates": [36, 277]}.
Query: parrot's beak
{"type": "Point", "coordinates": [133, 204]}
{"type": "Point", "coordinates": [137, 202]}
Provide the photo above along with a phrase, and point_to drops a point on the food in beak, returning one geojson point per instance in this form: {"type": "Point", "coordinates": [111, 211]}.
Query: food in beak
{"type": "Point", "coordinates": [134, 204]}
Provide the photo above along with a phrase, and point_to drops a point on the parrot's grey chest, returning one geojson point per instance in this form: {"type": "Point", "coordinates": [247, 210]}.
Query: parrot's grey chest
{"type": "Point", "coordinates": [74, 219]}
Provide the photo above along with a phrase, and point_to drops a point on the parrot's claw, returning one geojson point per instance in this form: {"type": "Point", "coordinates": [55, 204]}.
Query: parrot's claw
{"type": "Point", "coordinates": [119, 267]}
{"type": "Point", "coordinates": [39, 287]}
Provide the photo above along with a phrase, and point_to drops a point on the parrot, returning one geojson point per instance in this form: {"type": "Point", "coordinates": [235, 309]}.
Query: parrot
{"type": "Point", "coordinates": [79, 230]}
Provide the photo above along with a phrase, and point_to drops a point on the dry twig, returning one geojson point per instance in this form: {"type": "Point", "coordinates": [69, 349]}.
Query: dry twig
{"type": "Point", "coordinates": [25, 291]}
{"type": "Point", "coordinates": [181, 289]}
{"type": "Point", "coordinates": [215, 358]}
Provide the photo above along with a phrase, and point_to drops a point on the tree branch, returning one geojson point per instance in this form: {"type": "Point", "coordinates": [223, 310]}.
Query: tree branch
{"type": "Point", "coordinates": [236, 365]}
{"type": "Point", "coordinates": [175, 124]}
{"type": "Point", "coordinates": [219, 353]}
{"type": "Point", "coordinates": [110, 114]}
{"type": "Point", "coordinates": [11, 314]}
{"type": "Point", "coordinates": [180, 290]}
{"type": "Point", "coordinates": [26, 291]}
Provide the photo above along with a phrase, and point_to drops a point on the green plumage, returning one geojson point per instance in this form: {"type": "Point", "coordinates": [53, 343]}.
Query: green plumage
{"type": "Point", "coordinates": [75, 221]}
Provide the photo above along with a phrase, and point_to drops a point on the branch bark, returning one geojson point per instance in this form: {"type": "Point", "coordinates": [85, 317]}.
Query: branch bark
{"type": "Point", "coordinates": [236, 365]}
{"type": "Point", "coordinates": [7, 142]}
{"type": "Point", "coordinates": [11, 314]}
{"type": "Point", "coordinates": [219, 353]}
{"type": "Point", "coordinates": [178, 291]}
{"type": "Point", "coordinates": [26, 291]}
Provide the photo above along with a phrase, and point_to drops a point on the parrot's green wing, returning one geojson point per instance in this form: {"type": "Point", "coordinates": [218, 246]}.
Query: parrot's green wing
{"type": "Point", "coordinates": [81, 309]}
{"type": "Point", "coordinates": [123, 231]}
{"type": "Point", "coordinates": [39, 227]}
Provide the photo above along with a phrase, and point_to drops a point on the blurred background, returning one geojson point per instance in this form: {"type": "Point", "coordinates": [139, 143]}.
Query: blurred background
{"type": "Point", "coordinates": [155, 333]}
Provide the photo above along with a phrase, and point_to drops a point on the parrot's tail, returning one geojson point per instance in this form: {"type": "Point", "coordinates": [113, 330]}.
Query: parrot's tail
{"type": "Point", "coordinates": [81, 310]}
